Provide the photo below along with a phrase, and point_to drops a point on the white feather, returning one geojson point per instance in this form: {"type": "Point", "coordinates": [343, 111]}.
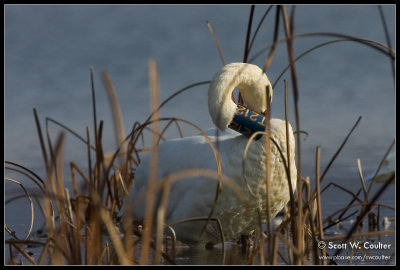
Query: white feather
{"type": "Point", "coordinates": [245, 77]}
{"type": "Point", "coordinates": [194, 197]}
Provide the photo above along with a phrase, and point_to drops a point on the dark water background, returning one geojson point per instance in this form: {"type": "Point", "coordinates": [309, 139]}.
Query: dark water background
{"type": "Point", "coordinates": [49, 50]}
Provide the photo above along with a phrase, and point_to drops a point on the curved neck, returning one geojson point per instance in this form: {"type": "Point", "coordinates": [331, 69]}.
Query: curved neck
{"type": "Point", "coordinates": [252, 84]}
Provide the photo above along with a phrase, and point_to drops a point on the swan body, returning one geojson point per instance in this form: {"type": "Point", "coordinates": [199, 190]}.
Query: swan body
{"type": "Point", "coordinates": [195, 197]}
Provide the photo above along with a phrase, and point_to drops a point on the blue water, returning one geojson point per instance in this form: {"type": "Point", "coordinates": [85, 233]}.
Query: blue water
{"type": "Point", "coordinates": [49, 50]}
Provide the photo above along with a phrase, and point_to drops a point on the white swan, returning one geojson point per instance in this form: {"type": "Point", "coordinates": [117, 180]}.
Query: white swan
{"type": "Point", "coordinates": [195, 197]}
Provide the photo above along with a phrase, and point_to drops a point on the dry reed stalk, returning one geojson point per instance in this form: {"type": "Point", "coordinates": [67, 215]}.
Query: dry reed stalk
{"type": "Point", "coordinates": [128, 241]}
{"type": "Point", "coordinates": [310, 247]}
{"type": "Point", "coordinates": [248, 32]}
{"type": "Point", "coordinates": [258, 28]}
{"type": "Point", "coordinates": [93, 238]}
{"type": "Point", "coordinates": [25, 171]}
{"type": "Point", "coordinates": [118, 119]}
{"type": "Point", "coordinates": [268, 178]}
{"type": "Point", "coordinates": [24, 253]}
{"type": "Point", "coordinates": [216, 42]}
{"type": "Point", "coordinates": [299, 232]}
{"type": "Point", "coordinates": [274, 259]}
{"type": "Point", "coordinates": [387, 36]}
{"type": "Point", "coordinates": [289, 177]}
{"type": "Point", "coordinates": [271, 53]}
{"type": "Point", "coordinates": [362, 180]}
{"type": "Point", "coordinates": [119, 248]}
{"type": "Point", "coordinates": [12, 233]}
{"type": "Point", "coordinates": [161, 212]}
{"type": "Point", "coordinates": [173, 243]}
{"type": "Point", "coordinates": [44, 253]}
{"type": "Point", "coordinates": [319, 206]}
{"type": "Point", "coordinates": [93, 92]}
{"type": "Point", "coordinates": [380, 47]}
{"type": "Point", "coordinates": [297, 253]}
{"type": "Point", "coordinates": [219, 52]}
{"type": "Point", "coordinates": [150, 192]}
{"type": "Point", "coordinates": [41, 140]}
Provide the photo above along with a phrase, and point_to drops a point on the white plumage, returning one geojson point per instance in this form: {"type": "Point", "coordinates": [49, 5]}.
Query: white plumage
{"type": "Point", "coordinates": [195, 197]}
{"type": "Point", "coordinates": [251, 82]}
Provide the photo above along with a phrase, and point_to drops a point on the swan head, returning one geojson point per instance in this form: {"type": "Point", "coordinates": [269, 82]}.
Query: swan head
{"type": "Point", "coordinates": [252, 83]}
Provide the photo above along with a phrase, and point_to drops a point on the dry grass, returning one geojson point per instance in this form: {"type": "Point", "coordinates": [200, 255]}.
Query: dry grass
{"type": "Point", "coordinates": [84, 227]}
